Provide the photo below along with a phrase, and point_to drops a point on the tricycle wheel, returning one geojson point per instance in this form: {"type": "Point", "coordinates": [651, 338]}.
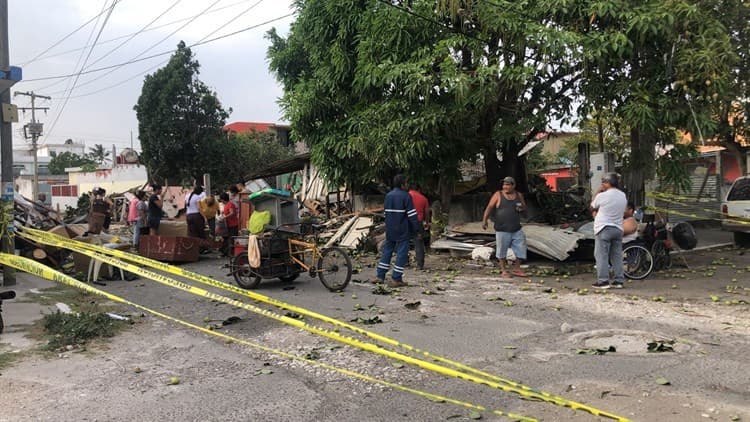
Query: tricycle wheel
{"type": "Point", "coordinates": [335, 269]}
{"type": "Point", "coordinates": [289, 278]}
{"type": "Point", "coordinates": [243, 275]}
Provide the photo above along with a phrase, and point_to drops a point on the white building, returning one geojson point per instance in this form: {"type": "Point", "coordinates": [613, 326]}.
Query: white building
{"type": "Point", "coordinates": [47, 150]}
{"type": "Point", "coordinates": [23, 162]}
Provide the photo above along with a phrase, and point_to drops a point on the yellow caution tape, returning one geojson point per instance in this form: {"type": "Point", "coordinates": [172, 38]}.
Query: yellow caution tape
{"type": "Point", "coordinates": [684, 214]}
{"type": "Point", "coordinates": [33, 267]}
{"type": "Point", "coordinates": [147, 262]}
{"type": "Point", "coordinates": [733, 218]}
{"type": "Point", "coordinates": [676, 197]}
{"type": "Point", "coordinates": [86, 249]}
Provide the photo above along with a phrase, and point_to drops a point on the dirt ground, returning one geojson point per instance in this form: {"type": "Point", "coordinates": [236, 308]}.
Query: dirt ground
{"type": "Point", "coordinates": [542, 329]}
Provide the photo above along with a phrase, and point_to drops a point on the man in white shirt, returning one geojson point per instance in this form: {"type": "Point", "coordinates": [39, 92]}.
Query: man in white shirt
{"type": "Point", "coordinates": [608, 208]}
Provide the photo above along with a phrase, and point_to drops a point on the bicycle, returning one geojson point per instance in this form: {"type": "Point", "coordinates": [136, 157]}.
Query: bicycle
{"type": "Point", "coordinates": [285, 256]}
{"type": "Point", "coordinates": [638, 262]}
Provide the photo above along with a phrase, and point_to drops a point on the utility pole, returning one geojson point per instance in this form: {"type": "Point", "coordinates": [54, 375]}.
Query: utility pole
{"type": "Point", "coordinates": [33, 130]}
{"type": "Point", "coordinates": [6, 147]}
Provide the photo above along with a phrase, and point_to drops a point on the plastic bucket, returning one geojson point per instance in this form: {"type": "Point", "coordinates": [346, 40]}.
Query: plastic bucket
{"type": "Point", "coordinates": [240, 245]}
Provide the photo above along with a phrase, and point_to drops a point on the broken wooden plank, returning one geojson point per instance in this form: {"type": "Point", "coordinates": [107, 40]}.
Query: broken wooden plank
{"type": "Point", "coordinates": [358, 231]}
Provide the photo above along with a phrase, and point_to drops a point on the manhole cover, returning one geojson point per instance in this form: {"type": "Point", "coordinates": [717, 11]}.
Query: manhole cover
{"type": "Point", "coordinates": [625, 341]}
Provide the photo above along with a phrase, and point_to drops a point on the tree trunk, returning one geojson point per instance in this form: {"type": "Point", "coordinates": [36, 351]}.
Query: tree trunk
{"type": "Point", "coordinates": [515, 166]}
{"type": "Point", "coordinates": [640, 166]}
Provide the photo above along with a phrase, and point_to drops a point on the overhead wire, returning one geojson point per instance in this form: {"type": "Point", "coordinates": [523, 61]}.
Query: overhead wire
{"type": "Point", "coordinates": [98, 35]}
{"type": "Point", "coordinates": [62, 53]}
{"type": "Point", "coordinates": [83, 25]}
{"type": "Point", "coordinates": [221, 37]}
{"type": "Point", "coordinates": [88, 94]}
{"type": "Point", "coordinates": [239, 15]}
{"type": "Point", "coordinates": [152, 46]}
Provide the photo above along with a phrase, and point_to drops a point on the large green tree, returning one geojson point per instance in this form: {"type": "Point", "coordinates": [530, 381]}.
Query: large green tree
{"type": "Point", "coordinates": [732, 107]}
{"type": "Point", "coordinates": [179, 121]}
{"type": "Point", "coordinates": [659, 65]}
{"type": "Point", "coordinates": [239, 154]}
{"type": "Point", "coordinates": [59, 162]}
{"type": "Point", "coordinates": [376, 86]}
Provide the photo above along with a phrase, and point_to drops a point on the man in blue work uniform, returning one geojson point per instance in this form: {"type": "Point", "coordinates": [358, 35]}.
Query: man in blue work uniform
{"type": "Point", "coordinates": [400, 225]}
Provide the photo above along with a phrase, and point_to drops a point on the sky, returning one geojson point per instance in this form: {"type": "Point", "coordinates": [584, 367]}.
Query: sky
{"type": "Point", "coordinates": [100, 107]}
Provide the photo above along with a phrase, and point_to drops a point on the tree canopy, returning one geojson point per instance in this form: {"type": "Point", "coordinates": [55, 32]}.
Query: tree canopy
{"type": "Point", "coordinates": [98, 153]}
{"type": "Point", "coordinates": [180, 121]}
{"type": "Point", "coordinates": [59, 162]}
{"type": "Point", "coordinates": [377, 86]}
{"type": "Point", "coordinates": [238, 154]}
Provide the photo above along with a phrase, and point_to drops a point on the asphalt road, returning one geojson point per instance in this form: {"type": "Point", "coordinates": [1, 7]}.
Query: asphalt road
{"type": "Point", "coordinates": [537, 330]}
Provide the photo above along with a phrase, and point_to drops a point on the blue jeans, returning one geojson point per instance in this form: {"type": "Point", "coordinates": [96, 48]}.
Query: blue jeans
{"type": "Point", "coordinates": [137, 227]}
{"type": "Point", "coordinates": [608, 253]}
{"type": "Point", "coordinates": [402, 257]}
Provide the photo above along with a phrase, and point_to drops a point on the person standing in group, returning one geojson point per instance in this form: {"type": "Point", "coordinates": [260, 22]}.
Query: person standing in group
{"type": "Point", "coordinates": [400, 225]}
{"type": "Point", "coordinates": [230, 215]}
{"type": "Point", "coordinates": [234, 195]}
{"type": "Point", "coordinates": [141, 222]}
{"type": "Point", "coordinates": [422, 205]}
{"type": "Point", "coordinates": [506, 206]}
{"type": "Point", "coordinates": [133, 211]}
{"type": "Point", "coordinates": [98, 211]}
{"type": "Point", "coordinates": [608, 209]}
{"type": "Point", "coordinates": [208, 209]}
{"type": "Point", "coordinates": [109, 206]}
{"type": "Point", "coordinates": [196, 224]}
{"type": "Point", "coordinates": [154, 210]}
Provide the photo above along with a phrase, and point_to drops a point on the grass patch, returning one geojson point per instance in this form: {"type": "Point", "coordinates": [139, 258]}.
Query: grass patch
{"type": "Point", "coordinates": [62, 330]}
{"type": "Point", "coordinates": [55, 294]}
{"type": "Point", "coordinates": [7, 358]}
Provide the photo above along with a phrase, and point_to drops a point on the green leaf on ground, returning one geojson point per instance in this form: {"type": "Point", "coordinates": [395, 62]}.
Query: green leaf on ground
{"type": "Point", "coordinates": [597, 351]}
{"type": "Point", "coordinates": [663, 381]}
{"type": "Point", "coordinates": [475, 415]}
{"type": "Point", "coordinates": [658, 346]}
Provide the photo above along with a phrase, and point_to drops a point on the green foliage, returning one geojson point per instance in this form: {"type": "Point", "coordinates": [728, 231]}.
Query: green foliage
{"type": "Point", "coordinates": [98, 154]}
{"type": "Point", "coordinates": [670, 166]}
{"type": "Point", "coordinates": [179, 121]}
{"type": "Point", "coordinates": [59, 162]}
{"type": "Point", "coordinates": [238, 154]}
{"type": "Point", "coordinates": [77, 329]}
{"type": "Point", "coordinates": [374, 90]}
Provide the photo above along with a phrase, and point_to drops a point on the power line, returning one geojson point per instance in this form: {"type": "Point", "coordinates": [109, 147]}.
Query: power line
{"type": "Point", "coordinates": [80, 56]}
{"type": "Point", "coordinates": [231, 34]}
{"type": "Point", "coordinates": [101, 29]}
{"type": "Point", "coordinates": [135, 34]}
{"type": "Point", "coordinates": [172, 33]}
{"type": "Point", "coordinates": [127, 35]}
{"type": "Point", "coordinates": [64, 38]}
{"type": "Point", "coordinates": [155, 44]}
{"type": "Point", "coordinates": [165, 61]}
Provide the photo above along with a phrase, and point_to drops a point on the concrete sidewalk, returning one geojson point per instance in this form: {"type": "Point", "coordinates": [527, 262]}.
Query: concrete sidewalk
{"type": "Point", "coordinates": [19, 314]}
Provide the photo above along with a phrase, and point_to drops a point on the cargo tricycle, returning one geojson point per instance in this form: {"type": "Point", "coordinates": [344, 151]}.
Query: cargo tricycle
{"type": "Point", "coordinates": [288, 248]}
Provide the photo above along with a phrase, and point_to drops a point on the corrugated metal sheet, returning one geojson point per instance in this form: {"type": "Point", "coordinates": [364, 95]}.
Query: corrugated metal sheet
{"type": "Point", "coordinates": [548, 241]}
{"type": "Point", "coordinates": [551, 242]}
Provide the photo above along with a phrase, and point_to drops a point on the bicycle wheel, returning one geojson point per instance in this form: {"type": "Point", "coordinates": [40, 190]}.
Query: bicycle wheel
{"type": "Point", "coordinates": [335, 269]}
{"type": "Point", "coordinates": [243, 275]}
{"type": "Point", "coordinates": [661, 256]}
{"type": "Point", "coordinates": [637, 262]}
